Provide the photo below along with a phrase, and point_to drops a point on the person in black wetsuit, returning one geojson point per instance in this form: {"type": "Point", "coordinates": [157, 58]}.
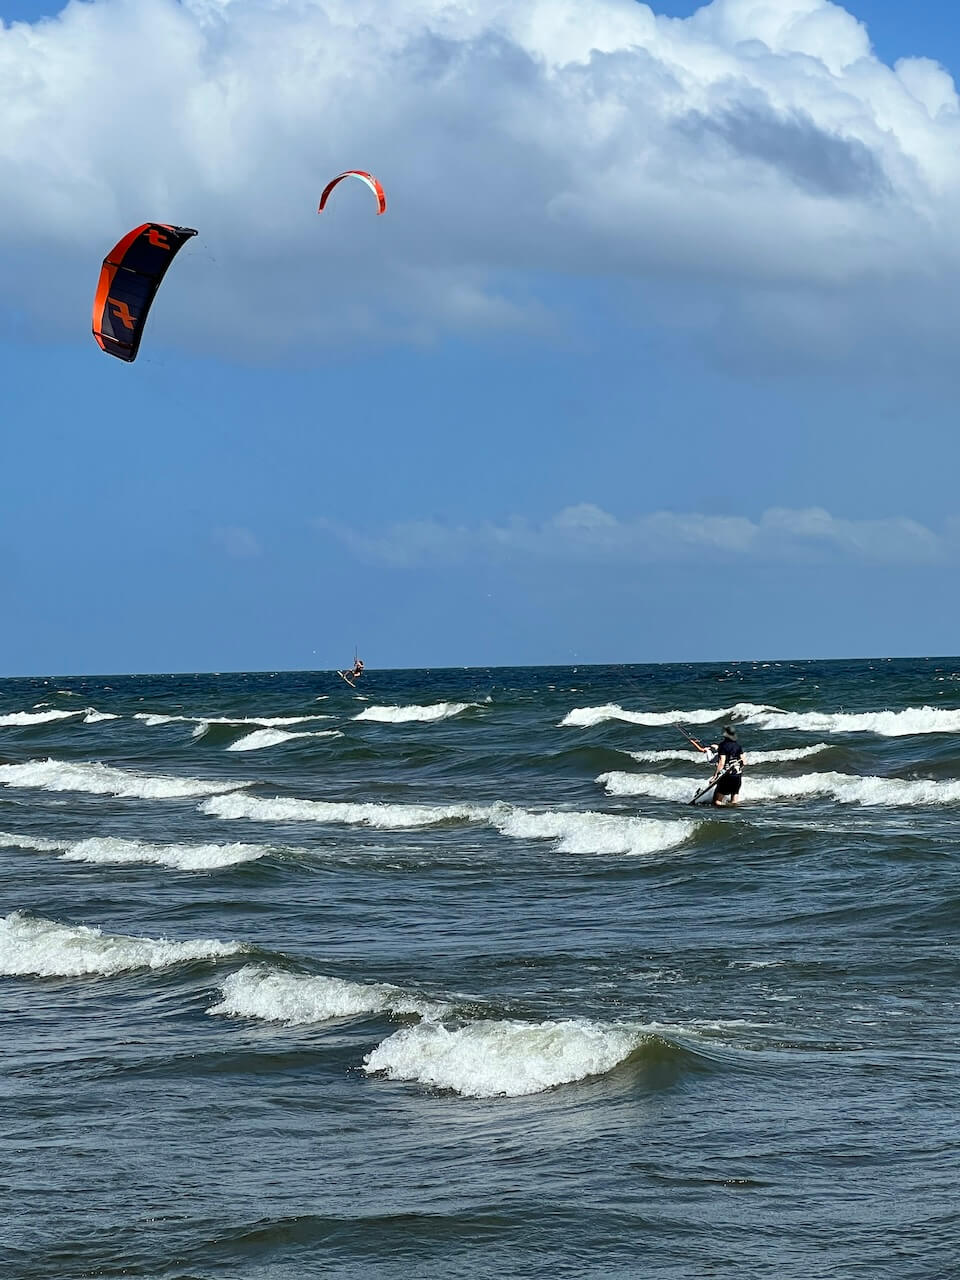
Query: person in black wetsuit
{"type": "Point", "coordinates": [728, 769]}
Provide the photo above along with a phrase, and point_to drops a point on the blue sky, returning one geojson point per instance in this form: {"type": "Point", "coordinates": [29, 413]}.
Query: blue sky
{"type": "Point", "coordinates": [651, 357]}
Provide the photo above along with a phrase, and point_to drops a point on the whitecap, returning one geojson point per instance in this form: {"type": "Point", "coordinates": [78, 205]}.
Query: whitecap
{"type": "Point", "coordinates": [404, 715]}
{"type": "Point", "coordinates": [497, 1059]}
{"type": "Point", "coordinates": [258, 991]}
{"type": "Point", "coordinates": [18, 719]}
{"type": "Point", "coordinates": [842, 787]}
{"type": "Point", "coordinates": [31, 945]}
{"type": "Point", "coordinates": [599, 833]}
{"type": "Point", "coordinates": [260, 738]}
{"type": "Point", "coordinates": [102, 779]}
{"type": "Point", "coordinates": [755, 757]}
{"type": "Point", "coordinates": [111, 850]}
{"type": "Point", "coordinates": [264, 722]}
{"type": "Point", "coordinates": [586, 717]}
{"type": "Point", "coordinates": [574, 832]}
{"type": "Point", "coordinates": [886, 724]}
{"type": "Point", "coordinates": [384, 816]}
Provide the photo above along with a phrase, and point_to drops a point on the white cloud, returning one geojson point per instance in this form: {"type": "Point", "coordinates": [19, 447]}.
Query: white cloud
{"type": "Point", "coordinates": [587, 534]}
{"type": "Point", "coordinates": [238, 542]}
{"type": "Point", "coordinates": [757, 154]}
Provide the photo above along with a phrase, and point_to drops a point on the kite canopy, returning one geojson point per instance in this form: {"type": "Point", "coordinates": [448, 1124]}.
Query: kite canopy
{"type": "Point", "coordinates": [364, 177]}
{"type": "Point", "coordinates": [129, 278]}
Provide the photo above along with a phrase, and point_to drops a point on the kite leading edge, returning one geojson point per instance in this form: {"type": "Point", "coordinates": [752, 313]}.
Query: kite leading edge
{"type": "Point", "coordinates": [364, 177]}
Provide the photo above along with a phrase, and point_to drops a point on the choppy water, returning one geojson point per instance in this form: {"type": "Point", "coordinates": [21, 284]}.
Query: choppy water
{"type": "Point", "coordinates": [446, 978]}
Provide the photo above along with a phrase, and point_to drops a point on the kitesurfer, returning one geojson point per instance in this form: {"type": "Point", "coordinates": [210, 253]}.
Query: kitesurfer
{"type": "Point", "coordinates": [357, 671]}
{"type": "Point", "coordinates": [728, 769]}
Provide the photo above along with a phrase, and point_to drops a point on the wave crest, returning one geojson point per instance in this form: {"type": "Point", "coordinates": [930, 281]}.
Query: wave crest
{"type": "Point", "coordinates": [261, 738]}
{"type": "Point", "coordinates": [575, 832]}
{"type": "Point", "coordinates": [33, 946]}
{"type": "Point", "coordinates": [257, 991]}
{"type": "Point", "coordinates": [502, 1059]}
{"type": "Point", "coordinates": [105, 780]}
{"type": "Point", "coordinates": [404, 715]}
{"type": "Point", "coordinates": [586, 717]}
{"type": "Point", "coordinates": [843, 787]}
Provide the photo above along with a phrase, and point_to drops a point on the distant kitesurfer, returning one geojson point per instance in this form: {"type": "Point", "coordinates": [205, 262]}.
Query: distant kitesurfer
{"type": "Point", "coordinates": [357, 671]}
{"type": "Point", "coordinates": [727, 769]}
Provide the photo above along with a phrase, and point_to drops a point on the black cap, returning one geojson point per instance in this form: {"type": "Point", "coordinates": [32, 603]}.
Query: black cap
{"type": "Point", "coordinates": [729, 730]}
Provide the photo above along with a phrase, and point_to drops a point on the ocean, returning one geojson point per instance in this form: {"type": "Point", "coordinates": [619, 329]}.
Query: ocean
{"type": "Point", "coordinates": [445, 977]}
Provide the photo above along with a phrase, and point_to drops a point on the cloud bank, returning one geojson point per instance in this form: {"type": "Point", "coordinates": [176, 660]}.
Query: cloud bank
{"type": "Point", "coordinates": [587, 534]}
{"type": "Point", "coordinates": [752, 167]}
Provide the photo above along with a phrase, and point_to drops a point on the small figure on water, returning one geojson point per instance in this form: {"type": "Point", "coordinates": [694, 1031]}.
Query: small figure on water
{"type": "Point", "coordinates": [354, 674]}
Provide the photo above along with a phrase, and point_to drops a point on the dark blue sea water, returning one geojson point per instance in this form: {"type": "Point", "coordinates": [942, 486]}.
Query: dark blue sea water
{"type": "Point", "coordinates": [446, 977]}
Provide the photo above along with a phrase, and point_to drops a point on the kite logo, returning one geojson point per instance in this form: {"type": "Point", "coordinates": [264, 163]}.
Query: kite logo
{"type": "Point", "coordinates": [123, 311]}
{"type": "Point", "coordinates": [158, 239]}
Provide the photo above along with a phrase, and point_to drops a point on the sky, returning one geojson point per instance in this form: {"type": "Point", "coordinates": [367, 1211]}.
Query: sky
{"type": "Point", "coordinates": [651, 358]}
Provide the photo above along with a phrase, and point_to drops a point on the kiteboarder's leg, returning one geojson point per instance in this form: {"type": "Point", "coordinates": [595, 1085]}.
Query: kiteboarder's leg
{"type": "Point", "coordinates": [728, 789]}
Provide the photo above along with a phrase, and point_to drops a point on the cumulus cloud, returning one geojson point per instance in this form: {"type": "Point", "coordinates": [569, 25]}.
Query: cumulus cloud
{"type": "Point", "coordinates": [753, 153]}
{"type": "Point", "coordinates": [588, 534]}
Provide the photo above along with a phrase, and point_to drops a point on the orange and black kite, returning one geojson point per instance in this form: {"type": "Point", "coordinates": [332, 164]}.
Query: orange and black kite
{"type": "Point", "coordinates": [129, 279]}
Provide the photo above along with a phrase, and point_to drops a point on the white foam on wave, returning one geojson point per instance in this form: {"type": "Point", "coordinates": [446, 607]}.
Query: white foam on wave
{"type": "Point", "coordinates": [574, 832]}
{"type": "Point", "coordinates": [260, 738]}
{"type": "Point", "coordinates": [404, 715]}
{"type": "Point", "coordinates": [112, 850]}
{"type": "Point", "coordinates": [497, 1059]}
{"type": "Point", "coordinates": [37, 843]}
{"type": "Point", "coordinates": [843, 787]}
{"type": "Point", "coordinates": [384, 816]}
{"type": "Point", "coordinates": [754, 757]}
{"type": "Point", "coordinates": [15, 719]}
{"type": "Point", "coordinates": [19, 719]}
{"type": "Point", "coordinates": [602, 833]}
{"type": "Point", "coordinates": [258, 991]}
{"type": "Point", "coordinates": [31, 945]}
{"type": "Point", "coordinates": [887, 724]}
{"type": "Point", "coordinates": [102, 779]}
{"type": "Point", "coordinates": [204, 722]}
{"type": "Point", "coordinates": [586, 717]}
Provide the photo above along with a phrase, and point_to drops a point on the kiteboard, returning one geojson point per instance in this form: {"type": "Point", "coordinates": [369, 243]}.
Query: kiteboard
{"type": "Point", "coordinates": [343, 676]}
{"type": "Point", "coordinates": [700, 797]}
{"type": "Point", "coordinates": [711, 786]}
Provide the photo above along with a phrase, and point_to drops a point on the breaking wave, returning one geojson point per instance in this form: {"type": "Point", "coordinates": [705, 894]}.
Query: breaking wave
{"type": "Point", "coordinates": [586, 717]}
{"type": "Point", "coordinates": [113, 851]}
{"type": "Point", "coordinates": [257, 991]}
{"type": "Point", "coordinates": [497, 1059]}
{"type": "Point", "coordinates": [403, 715]}
{"type": "Point", "coordinates": [573, 832]}
{"type": "Point", "coordinates": [203, 722]}
{"type": "Point", "coordinates": [603, 833]}
{"type": "Point", "coordinates": [31, 945]}
{"type": "Point", "coordinates": [755, 757]}
{"type": "Point", "coordinates": [842, 787]}
{"type": "Point", "coordinates": [384, 816]}
{"type": "Point", "coordinates": [15, 719]}
{"type": "Point", "coordinates": [102, 779]}
{"type": "Point", "coordinates": [19, 719]}
{"type": "Point", "coordinates": [887, 724]}
{"type": "Point", "coordinates": [261, 738]}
